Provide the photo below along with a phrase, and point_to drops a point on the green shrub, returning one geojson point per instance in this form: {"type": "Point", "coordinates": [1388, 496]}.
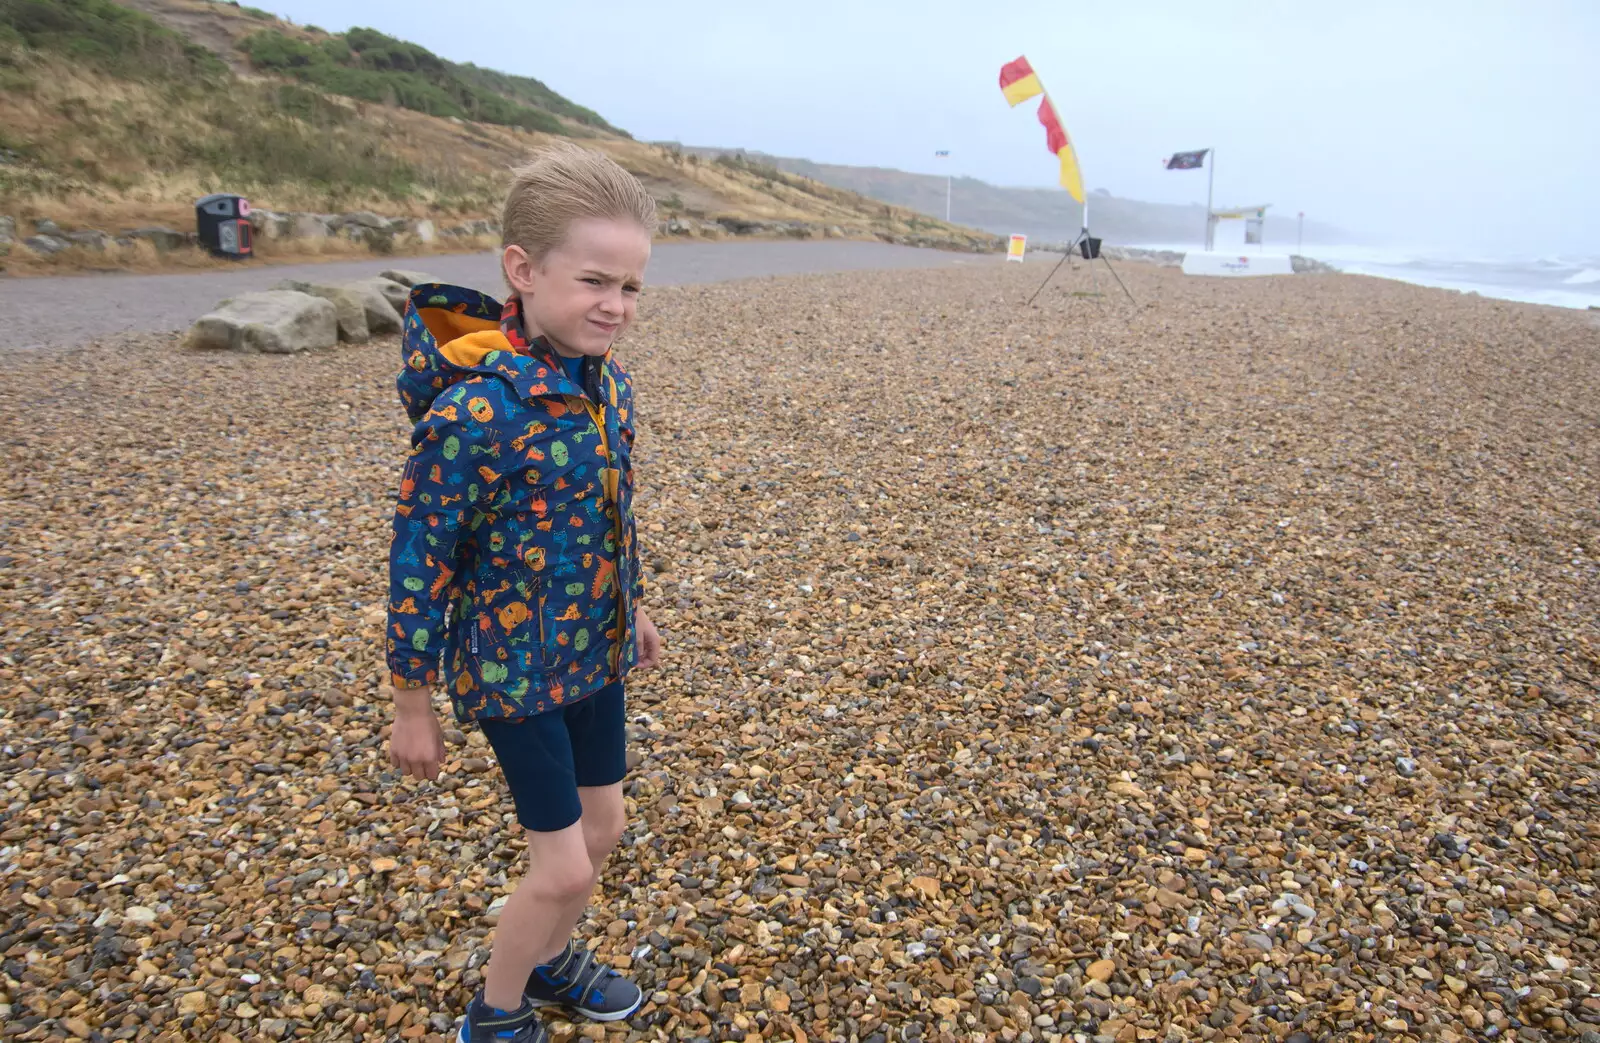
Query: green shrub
{"type": "Point", "coordinates": [370, 66]}
{"type": "Point", "coordinates": [107, 36]}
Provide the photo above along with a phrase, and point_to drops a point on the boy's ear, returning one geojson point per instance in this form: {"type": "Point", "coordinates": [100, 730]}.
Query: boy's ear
{"type": "Point", "coordinates": [518, 268]}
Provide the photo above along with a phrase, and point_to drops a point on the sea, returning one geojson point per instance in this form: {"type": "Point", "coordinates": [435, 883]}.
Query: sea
{"type": "Point", "coordinates": [1566, 281]}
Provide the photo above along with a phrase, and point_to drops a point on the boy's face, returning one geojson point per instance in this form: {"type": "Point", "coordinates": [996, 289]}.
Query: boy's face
{"type": "Point", "coordinates": [583, 294]}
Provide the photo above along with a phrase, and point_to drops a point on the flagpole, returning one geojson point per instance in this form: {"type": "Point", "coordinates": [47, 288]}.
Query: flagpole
{"type": "Point", "coordinates": [947, 198]}
{"type": "Point", "coordinates": [1211, 175]}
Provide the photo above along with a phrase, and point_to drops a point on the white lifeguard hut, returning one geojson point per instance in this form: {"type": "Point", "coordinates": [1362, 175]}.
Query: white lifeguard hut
{"type": "Point", "coordinates": [1235, 245]}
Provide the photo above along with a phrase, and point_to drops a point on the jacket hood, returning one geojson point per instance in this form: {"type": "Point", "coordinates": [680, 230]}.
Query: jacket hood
{"type": "Point", "coordinates": [452, 333]}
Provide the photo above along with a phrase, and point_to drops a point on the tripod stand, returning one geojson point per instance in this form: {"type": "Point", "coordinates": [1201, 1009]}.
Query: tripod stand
{"type": "Point", "coordinates": [1089, 247]}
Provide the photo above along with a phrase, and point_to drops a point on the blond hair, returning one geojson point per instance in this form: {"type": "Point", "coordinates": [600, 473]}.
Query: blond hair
{"type": "Point", "coordinates": [562, 183]}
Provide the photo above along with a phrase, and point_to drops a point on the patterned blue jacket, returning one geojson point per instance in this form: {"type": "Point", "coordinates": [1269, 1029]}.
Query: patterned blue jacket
{"type": "Point", "coordinates": [514, 558]}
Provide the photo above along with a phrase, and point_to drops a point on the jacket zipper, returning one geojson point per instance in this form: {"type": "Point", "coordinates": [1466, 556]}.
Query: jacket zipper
{"type": "Point", "coordinates": [624, 625]}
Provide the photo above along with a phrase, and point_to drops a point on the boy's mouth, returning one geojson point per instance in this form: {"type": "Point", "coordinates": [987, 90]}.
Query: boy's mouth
{"type": "Point", "coordinates": [608, 327]}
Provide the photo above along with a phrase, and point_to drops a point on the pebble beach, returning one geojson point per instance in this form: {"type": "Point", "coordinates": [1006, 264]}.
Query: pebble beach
{"type": "Point", "coordinates": [1220, 666]}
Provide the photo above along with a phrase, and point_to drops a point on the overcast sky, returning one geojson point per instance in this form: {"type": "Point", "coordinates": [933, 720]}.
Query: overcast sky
{"type": "Point", "coordinates": [1447, 123]}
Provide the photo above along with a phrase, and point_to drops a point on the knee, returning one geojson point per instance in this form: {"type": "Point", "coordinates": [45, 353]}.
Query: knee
{"type": "Point", "coordinates": [563, 874]}
{"type": "Point", "coordinates": [602, 831]}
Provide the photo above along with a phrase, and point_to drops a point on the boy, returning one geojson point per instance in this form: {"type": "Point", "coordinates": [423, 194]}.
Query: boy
{"type": "Point", "coordinates": [514, 558]}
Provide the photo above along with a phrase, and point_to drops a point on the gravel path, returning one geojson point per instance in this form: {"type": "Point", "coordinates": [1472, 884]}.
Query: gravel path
{"type": "Point", "coordinates": [58, 310]}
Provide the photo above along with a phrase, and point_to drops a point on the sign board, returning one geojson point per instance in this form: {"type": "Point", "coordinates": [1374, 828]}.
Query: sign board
{"type": "Point", "coordinates": [1018, 247]}
{"type": "Point", "coordinates": [1201, 263]}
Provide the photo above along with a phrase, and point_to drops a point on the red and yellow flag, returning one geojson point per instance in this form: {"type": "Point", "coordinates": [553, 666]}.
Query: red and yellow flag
{"type": "Point", "coordinates": [1018, 82]}
{"type": "Point", "coordinates": [1061, 145]}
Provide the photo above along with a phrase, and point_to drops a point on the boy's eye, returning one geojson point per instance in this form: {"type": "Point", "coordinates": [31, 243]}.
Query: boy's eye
{"type": "Point", "coordinates": [633, 290]}
{"type": "Point", "coordinates": [591, 280]}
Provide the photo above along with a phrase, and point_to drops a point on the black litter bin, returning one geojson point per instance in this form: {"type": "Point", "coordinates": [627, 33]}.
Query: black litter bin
{"type": "Point", "coordinates": [1089, 247]}
{"type": "Point", "coordinates": [224, 225]}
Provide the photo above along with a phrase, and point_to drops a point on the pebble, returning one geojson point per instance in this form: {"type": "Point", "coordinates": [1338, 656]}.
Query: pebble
{"type": "Point", "coordinates": [876, 776]}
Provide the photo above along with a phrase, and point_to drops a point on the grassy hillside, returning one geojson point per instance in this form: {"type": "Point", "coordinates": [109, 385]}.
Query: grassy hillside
{"type": "Point", "coordinates": [119, 114]}
{"type": "Point", "coordinates": [367, 65]}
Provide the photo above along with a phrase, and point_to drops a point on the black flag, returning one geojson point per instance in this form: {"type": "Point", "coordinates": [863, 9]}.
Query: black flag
{"type": "Point", "coordinates": [1187, 160]}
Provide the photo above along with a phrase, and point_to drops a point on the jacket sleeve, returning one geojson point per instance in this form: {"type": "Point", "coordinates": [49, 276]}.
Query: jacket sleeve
{"type": "Point", "coordinates": [450, 474]}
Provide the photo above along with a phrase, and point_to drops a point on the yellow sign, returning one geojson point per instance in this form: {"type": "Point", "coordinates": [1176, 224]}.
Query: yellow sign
{"type": "Point", "coordinates": [1018, 247]}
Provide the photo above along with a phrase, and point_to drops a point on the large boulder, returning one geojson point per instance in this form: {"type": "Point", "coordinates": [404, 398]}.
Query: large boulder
{"type": "Point", "coordinates": [270, 224]}
{"type": "Point", "coordinates": [393, 292]}
{"type": "Point", "coordinates": [407, 278]}
{"type": "Point", "coordinates": [309, 226]}
{"type": "Point", "coordinates": [351, 308]}
{"type": "Point", "coordinates": [379, 297]}
{"type": "Point", "coordinates": [424, 231]}
{"type": "Point", "coordinates": [276, 322]}
{"type": "Point", "coordinates": [8, 234]}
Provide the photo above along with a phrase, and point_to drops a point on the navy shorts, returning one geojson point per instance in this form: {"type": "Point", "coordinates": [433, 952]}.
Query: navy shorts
{"type": "Point", "coordinates": [546, 757]}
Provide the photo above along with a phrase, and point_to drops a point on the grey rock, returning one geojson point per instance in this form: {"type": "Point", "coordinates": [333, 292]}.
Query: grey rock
{"type": "Point", "coordinates": [276, 322]}
{"type": "Point", "coordinates": [379, 297]}
{"type": "Point", "coordinates": [743, 226]}
{"type": "Point", "coordinates": [395, 293]}
{"type": "Point", "coordinates": [480, 226]}
{"type": "Point", "coordinates": [350, 305]}
{"type": "Point", "coordinates": [424, 230]}
{"type": "Point", "coordinates": [89, 239]}
{"type": "Point", "coordinates": [378, 240]}
{"type": "Point", "coordinates": [1258, 941]}
{"type": "Point", "coordinates": [1406, 766]}
{"type": "Point", "coordinates": [8, 230]}
{"type": "Point", "coordinates": [310, 226]}
{"type": "Point", "coordinates": [160, 238]}
{"type": "Point", "coordinates": [45, 226]}
{"type": "Point", "coordinates": [407, 278]}
{"type": "Point", "coordinates": [361, 218]}
{"type": "Point", "coordinates": [1302, 265]}
{"type": "Point", "coordinates": [270, 224]}
{"type": "Point", "coordinates": [45, 244]}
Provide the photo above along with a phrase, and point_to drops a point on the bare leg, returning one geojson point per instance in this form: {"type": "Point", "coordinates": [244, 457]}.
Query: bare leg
{"type": "Point", "coordinates": [604, 817]}
{"type": "Point", "coordinates": [560, 877]}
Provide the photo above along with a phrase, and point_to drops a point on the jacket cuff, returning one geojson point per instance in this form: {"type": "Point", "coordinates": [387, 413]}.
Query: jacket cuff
{"type": "Point", "coordinates": [407, 675]}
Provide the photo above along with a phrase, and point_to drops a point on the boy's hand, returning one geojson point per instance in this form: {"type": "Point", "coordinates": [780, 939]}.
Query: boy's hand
{"type": "Point", "coordinates": [649, 639]}
{"type": "Point", "coordinates": [416, 743]}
